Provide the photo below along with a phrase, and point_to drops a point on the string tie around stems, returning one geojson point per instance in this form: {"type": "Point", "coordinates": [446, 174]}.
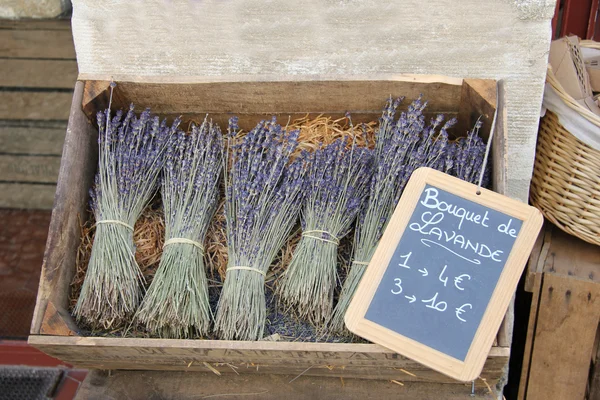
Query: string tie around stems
{"type": "Point", "coordinates": [245, 268]}
{"type": "Point", "coordinates": [184, 241]}
{"type": "Point", "coordinates": [363, 263]}
{"type": "Point", "coordinates": [114, 221]}
{"type": "Point", "coordinates": [333, 239]}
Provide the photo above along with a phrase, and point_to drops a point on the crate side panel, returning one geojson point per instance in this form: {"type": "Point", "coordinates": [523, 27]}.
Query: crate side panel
{"type": "Point", "coordinates": [76, 172]}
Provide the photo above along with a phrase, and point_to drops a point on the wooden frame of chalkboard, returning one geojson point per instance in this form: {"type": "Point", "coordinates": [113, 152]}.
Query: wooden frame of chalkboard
{"type": "Point", "coordinates": [377, 311]}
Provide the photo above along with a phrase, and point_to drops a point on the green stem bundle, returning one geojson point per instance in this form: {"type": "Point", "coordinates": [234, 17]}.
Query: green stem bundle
{"type": "Point", "coordinates": [131, 153]}
{"type": "Point", "coordinates": [337, 183]}
{"type": "Point", "coordinates": [177, 303]}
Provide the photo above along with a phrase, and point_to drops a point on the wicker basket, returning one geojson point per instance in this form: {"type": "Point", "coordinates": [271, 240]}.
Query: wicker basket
{"type": "Point", "coordinates": [566, 177]}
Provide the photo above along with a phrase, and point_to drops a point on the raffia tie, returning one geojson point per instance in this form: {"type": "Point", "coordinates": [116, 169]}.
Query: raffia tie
{"type": "Point", "coordinates": [333, 239]}
{"type": "Point", "coordinates": [362, 263]}
{"type": "Point", "coordinates": [115, 222]}
{"type": "Point", "coordinates": [245, 268]}
{"type": "Point", "coordinates": [184, 241]}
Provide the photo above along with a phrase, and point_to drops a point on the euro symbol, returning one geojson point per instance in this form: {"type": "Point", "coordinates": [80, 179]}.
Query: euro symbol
{"type": "Point", "coordinates": [461, 310]}
{"type": "Point", "coordinates": [459, 279]}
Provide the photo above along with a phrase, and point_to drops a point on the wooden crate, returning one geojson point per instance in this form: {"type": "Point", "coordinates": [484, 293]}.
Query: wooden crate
{"type": "Point", "coordinates": [54, 331]}
{"type": "Point", "coordinates": [562, 334]}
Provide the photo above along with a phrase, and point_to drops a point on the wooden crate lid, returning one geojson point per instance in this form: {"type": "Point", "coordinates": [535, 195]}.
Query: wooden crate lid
{"type": "Point", "coordinates": [238, 39]}
{"type": "Point", "coordinates": [471, 38]}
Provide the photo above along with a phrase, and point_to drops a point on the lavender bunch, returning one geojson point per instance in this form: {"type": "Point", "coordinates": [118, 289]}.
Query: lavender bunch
{"type": "Point", "coordinates": [469, 153]}
{"type": "Point", "coordinates": [264, 190]}
{"type": "Point", "coordinates": [337, 184]}
{"type": "Point", "coordinates": [131, 153]}
{"type": "Point", "coordinates": [177, 304]}
{"type": "Point", "coordinates": [401, 146]}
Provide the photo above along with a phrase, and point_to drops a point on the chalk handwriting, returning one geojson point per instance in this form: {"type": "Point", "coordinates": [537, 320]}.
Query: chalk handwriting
{"type": "Point", "coordinates": [445, 280]}
{"type": "Point", "coordinates": [404, 263]}
{"type": "Point", "coordinates": [411, 299]}
{"type": "Point", "coordinates": [428, 243]}
{"type": "Point", "coordinates": [429, 227]}
{"type": "Point", "coordinates": [459, 279]}
{"type": "Point", "coordinates": [460, 310]}
{"type": "Point", "coordinates": [439, 306]}
{"type": "Point", "coordinates": [505, 228]}
{"type": "Point", "coordinates": [398, 285]}
{"type": "Point", "coordinates": [431, 201]}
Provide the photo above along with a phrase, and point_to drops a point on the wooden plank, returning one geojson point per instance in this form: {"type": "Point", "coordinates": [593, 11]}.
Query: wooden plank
{"type": "Point", "coordinates": [36, 24]}
{"type": "Point", "coordinates": [223, 99]}
{"type": "Point", "coordinates": [56, 44]}
{"type": "Point", "coordinates": [478, 100]}
{"type": "Point", "coordinates": [572, 257]}
{"type": "Point", "coordinates": [29, 196]}
{"type": "Point", "coordinates": [537, 259]}
{"type": "Point", "coordinates": [54, 322]}
{"type": "Point", "coordinates": [54, 74]}
{"type": "Point", "coordinates": [18, 105]}
{"type": "Point", "coordinates": [566, 328]}
{"type": "Point", "coordinates": [137, 385]}
{"type": "Point", "coordinates": [527, 353]}
{"type": "Point", "coordinates": [37, 169]}
{"type": "Point", "coordinates": [76, 173]}
{"type": "Point", "coordinates": [594, 392]}
{"type": "Point", "coordinates": [368, 361]}
{"type": "Point", "coordinates": [32, 140]}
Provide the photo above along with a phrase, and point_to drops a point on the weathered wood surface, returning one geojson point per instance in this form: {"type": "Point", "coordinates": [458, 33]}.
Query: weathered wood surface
{"type": "Point", "coordinates": [37, 71]}
{"type": "Point", "coordinates": [52, 74]}
{"type": "Point", "coordinates": [563, 324]}
{"type": "Point", "coordinates": [471, 38]}
{"type": "Point", "coordinates": [570, 257]}
{"type": "Point", "coordinates": [594, 386]}
{"type": "Point", "coordinates": [36, 24]}
{"type": "Point", "coordinates": [27, 195]}
{"type": "Point", "coordinates": [29, 163]}
{"type": "Point", "coordinates": [21, 105]}
{"type": "Point", "coordinates": [37, 139]}
{"type": "Point", "coordinates": [77, 168]}
{"type": "Point", "coordinates": [136, 385]}
{"type": "Point", "coordinates": [38, 43]}
{"type": "Point", "coordinates": [251, 101]}
{"type": "Point", "coordinates": [564, 337]}
{"type": "Point", "coordinates": [368, 361]}
{"type": "Point", "coordinates": [37, 169]}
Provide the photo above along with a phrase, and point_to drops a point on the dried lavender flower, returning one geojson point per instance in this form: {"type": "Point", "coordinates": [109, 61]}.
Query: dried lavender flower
{"type": "Point", "coordinates": [337, 183]}
{"type": "Point", "coordinates": [131, 150]}
{"type": "Point", "coordinates": [177, 302]}
{"type": "Point", "coordinates": [263, 190]}
{"type": "Point", "coordinates": [469, 153]}
{"type": "Point", "coordinates": [401, 147]}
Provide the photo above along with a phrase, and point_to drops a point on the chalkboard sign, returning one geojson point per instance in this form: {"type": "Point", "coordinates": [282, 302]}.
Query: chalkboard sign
{"type": "Point", "coordinates": [443, 275]}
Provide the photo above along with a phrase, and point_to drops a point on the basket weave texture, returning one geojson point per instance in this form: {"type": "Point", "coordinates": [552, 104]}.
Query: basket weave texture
{"type": "Point", "coordinates": [566, 181]}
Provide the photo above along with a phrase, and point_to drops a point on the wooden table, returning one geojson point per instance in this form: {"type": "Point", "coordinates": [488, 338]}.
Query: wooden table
{"type": "Point", "coordinates": [562, 337]}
